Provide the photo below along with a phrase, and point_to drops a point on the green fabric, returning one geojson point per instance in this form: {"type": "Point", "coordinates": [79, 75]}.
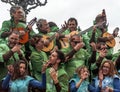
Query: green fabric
{"type": "Point", "coordinates": [94, 66]}
{"type": "Point", "coordinates": [54, 29]}
{"type": "Point", "coordinates": [63, 80]}
{"type": "Point", "coordinates": [86, 40]}
{"type": "Point", "coordinates": [37, 60]}
{"type": "Point", "coordinates": [3, 65]}
{"type": "Point", "coordinates": [115, 56]}
{"type": "Point", "coordinates": [7, 26]}
{"type": "Point", "coordinates": [80, 58]}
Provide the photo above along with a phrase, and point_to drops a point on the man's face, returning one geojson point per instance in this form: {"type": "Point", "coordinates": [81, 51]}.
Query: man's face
{"type": "Point", "coordinates": [19, 14]}
{"type": "Point", "coordinates": [45, 26]}
{"type": "Point", "coordinates": [72, 25]}
{"type": "Point", "coordinates": [104, 48]}
{"type": "Point", "coordinates": [53, 58]}
{"type": "Point", "coordinates": [13, 40]}
{"type": "Point", "coordinates": [75, 40]}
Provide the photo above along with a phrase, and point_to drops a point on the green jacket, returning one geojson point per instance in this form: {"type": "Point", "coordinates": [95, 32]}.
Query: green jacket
{"type": "Point", "coordinates": [9, 25]}
{"type": "Point", "coordinates": [3, 64]}
{"type": "Point", "coordinates": [37, 59]}
{"type": "Point", "coordinates": [80, 58]}
{"type": "Point", "coordinates": [63, 80]}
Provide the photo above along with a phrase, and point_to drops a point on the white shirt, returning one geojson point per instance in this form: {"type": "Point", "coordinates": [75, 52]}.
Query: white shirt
{"type": "Point", "coordinates": [117, 45]}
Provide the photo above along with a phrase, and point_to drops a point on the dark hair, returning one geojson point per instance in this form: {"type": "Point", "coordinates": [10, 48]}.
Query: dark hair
{"type": "Point", "coordinates": [16, 66]}
{"type": "Point", "coordinates": [73, 19]}
{"type": "Point", "coordinates": [116, 29]}
{"type": "Point", "coordinates": [15, 32]}
{"type": "Point", "coordinates": [35, 39]}
{"type": "Point", "coordinates": [39, 23]}
{"type": "Point", "coordinates": [61, 56]}
{"type": "Point", "coordinates": [14, 8]}
{"type": "Point", "coordinates": [98, 46]}
{"type": "Point", "coordinates": [51, 24]}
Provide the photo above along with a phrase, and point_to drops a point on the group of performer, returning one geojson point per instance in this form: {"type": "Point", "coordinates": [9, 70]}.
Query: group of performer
{"type": "Point", "coordinates": [57, 59]}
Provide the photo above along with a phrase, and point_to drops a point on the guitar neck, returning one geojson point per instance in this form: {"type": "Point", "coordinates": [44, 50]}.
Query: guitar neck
{"type": "Point", "coordinates": [31, 23]}
{"type": "Point", "coordinates": [86, 30]}
{"type": "Point", "coordinates": [53, 36]}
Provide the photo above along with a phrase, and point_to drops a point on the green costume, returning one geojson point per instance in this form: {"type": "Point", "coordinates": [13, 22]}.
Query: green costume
{"type": "Point", "coordinates": [98, 34]}
{"type": "Point", "coordinates": [37, 59]}
{"type": "Point", "coordinates": [3, 64]}
{"type": "Point", "coordinates": [52, 44]}
{"type": "Point", "coordinates": [9, 25]}
{"type": "Point", "coordinates": [80, 58]}
{"type": "Point", "coordinates": [63, 80]}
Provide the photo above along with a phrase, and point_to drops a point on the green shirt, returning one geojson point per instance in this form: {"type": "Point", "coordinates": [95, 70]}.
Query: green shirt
{"type": "Point", "coordinates": [63, 80]}
{"type": "Point", "coordinates": [9, 25]}
{"type": "Point", "coordinates": [37, 60]}
{"type": "Point", "coordinates": [3, 64]}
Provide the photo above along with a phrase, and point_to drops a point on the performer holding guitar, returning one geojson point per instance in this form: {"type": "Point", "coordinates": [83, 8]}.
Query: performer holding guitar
{"type": "Point", "coordinates": [48, 36]}
{"type": "Point", "coordinates": [102, 34]}
{"type": "Point", "coordinates": [17, 23]}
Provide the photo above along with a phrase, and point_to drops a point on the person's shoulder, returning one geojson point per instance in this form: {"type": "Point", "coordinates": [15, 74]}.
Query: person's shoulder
{"type": "Point", "coordinates": [21, 24]}
{"type": "Point", "coordinates": [4, 47]}
{"type": "Point", "coordinates": [6, 21]}
{"type": "Point", "coordinates": [29, 77]}
{"type": "Point", "coordinates": [116, 76]}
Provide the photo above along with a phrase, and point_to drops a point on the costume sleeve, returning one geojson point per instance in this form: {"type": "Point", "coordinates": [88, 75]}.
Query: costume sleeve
{"type": "Point", "coordinates": [7, 55]}
{"type": "Point", "coordinates": [38, 84]}
{"type": "Point", "coordinates": [118, 63]}
{"type": "Point", "coordinates": [73, 87]}
{"type": "Point", "coordinates": [5, 83]}
{"type": "Point", "coordinates": [5, 29]}
{"type": "Point", "coordinates": [70, 54]}
{"type": "Point", "coordinates": [116, 85]}
{"type": "Point", "coordinates": [92, 59]}
{"type": "Point", "coordinates": [92, 88]}
{"type": "Point", "coordinates": [58, 87]}
{"type": "Point", "coordinates": [3, 49]}
{"type": "Point", "coordinates": [102, 39]}
{"type": "Point", "coordinates": [64, 83]}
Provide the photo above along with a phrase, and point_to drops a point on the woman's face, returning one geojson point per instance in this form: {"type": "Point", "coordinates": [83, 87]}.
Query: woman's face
{"type": "Point", "coordinates": [84, 73]}
{"type": "Point", "coordinates": [106, 69]}
{"type": "Point", "coordinates": [22, 68]}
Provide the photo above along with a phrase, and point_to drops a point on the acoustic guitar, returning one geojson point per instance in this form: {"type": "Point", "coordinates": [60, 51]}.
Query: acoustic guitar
{"type": "Point", "coordinates": [24, 38]}
{"type": "Point", "coordinates": [50, 46]}
{"type": "Point", "coordinates": [65, 43]}
{"type": "Point", "coordinates": [110, 43]}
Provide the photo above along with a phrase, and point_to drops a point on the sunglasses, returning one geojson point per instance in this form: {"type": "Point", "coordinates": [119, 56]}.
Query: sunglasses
{"type": "Point", "coordinates": [103, 48]}
{"type": "Point", "coordinates": [76, 42]}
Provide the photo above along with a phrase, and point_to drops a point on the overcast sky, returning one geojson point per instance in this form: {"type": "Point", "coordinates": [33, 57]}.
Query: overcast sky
{"type": "Point", "coordinates": [84, 11]}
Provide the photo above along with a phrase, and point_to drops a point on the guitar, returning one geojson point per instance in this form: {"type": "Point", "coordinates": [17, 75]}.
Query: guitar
{"type": "Point", "coordinates": [110, 43]}
{"type": "Point", "coordinates": [65, 43]}
{"type": "Point", "coordinates": [50, 46]}
{"type": "Point", "coordinates": [24, 38]}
